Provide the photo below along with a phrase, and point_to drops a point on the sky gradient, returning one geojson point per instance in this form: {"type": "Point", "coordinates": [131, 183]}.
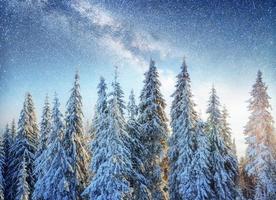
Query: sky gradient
{"type": "Point", "coordinates": [224, 42]}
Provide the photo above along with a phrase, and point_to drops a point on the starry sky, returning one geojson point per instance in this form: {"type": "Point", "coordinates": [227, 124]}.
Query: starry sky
{"type": "Point", "coordinates": [44, 42]}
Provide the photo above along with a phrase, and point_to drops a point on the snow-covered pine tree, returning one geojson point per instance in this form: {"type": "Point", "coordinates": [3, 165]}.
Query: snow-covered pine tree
{"type": "Point", "coordinates": [200, 165]}
{"type": "Point", "coordinates": [23, 191]}
{"type": "Point", "coordinates": [24, 151]}
{"type": "Point", "coordinates": [231, 161]}
{"type": "Point", "coordinates": [132, 108]}
{"type": "Point", "coordinates": [7, 143]}
{"type": "Point", "coordinates": [56, 181]}
{"type": "Point", "coordinates": [100, 125]}
{"type": "Point", "coordinates": [13, 130]}
{"type": "Point", "coordinates": [246, 183]}
{"type": "Point", "coordinates": [111, 180]}
{"type": "Point", "coordinates": [8, 140]}
{"type": "Point", "coordinates": [2, 165]}
{"type": "Point", "coordinates": [45, 129]}
{"type": "Point", "coordinates": [183, 121]}
{"type": "Point", "coordinates": [119, 93]}
{"type": "Point", "coordinates": [221, 180]}
{"type": "Point", "coordinates": [74, 144]}
{"type": "Point", "coordinates": [259, 133]}
{"type": "Point", "coordinates": [154, 129]}
{"type": "Point", "coordinates": [139, 182]}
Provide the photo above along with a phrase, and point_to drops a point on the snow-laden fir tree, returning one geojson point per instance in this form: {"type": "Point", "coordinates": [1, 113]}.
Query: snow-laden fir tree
{"type": "Point", "coordinates": [74, 143]}
{"type": "Point", "coordinates": [23, 191]}
{"type": "Point", "coordinates": [200, 165]}
{"type": "Point", "coordinates": [231, 161]}
{"type": "Point", "coordinates": [119, 93]}
{"type": "Point", "coordinates": [100, 127]}
{"type": "Point", "coordinates": [138, 182]}
{"type": "Point", "coordinates": [2, 165]}
{"type": "Point", "coordinates": [132, 108]}
{"type": "Point", "coordinates": [45, 129]}
{"type": "Point", "coordinates": [259, 131]}
{"type": "Point", "coordinates": [56, 180]}
{"type": "Point", "coordinates": [13, 130]}
{"type": "Point", "coordinates": [7, 143]}
{"type": "Point", "coordinates": [183, 117]}
{"type": "Point", "coordinates": [246, 183]}
{"type": "Point", "coordinates": [112, 177]}
{"type": "Point", "coordinates": [154, 129]}
{"type": "Point", "coordinates": [8, 140]}
{"type": "Point", "coordinates": [24, 149]}
{"type": "Point", "coordinates": [221, 183]}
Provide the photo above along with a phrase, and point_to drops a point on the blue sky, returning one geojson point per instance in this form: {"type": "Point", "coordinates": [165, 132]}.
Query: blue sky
{"type": "Point", "coordinates": [224, 42]}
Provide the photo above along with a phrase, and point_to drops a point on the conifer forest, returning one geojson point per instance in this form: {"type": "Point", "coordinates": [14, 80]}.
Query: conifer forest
{"type": "Point", "coordinates": [137, 100]}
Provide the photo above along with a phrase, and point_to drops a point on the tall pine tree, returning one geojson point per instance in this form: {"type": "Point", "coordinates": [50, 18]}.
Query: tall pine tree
{"type": "Point", "coordinates": [221, 182]}
{"type": "Point", "coordinates": [74, 142]}
{"type": "Point", "coordinates": [114, 168]}
{"type": "Point", "coordinates": [7, 144]}
{"type": "Point", "coordinates": [24, 149]}
{"type": "Point", "coordinates": [9, 140]}
{"type": "Point", "coordinates": [183, 117]}
{"type": "Point", "coordinates": [13, 130]}
{"type": "Point", "coordinates": [259, 131]}
{"type": "Point", "coordinates": [45, 129]}
{"type": "Point", "coordinates": [200, 165]}
{"type": "Point", "coordinates": [231, 161]}
{"type": "Point", "coordinates": [139, 182]}
{"type": "Point", "coordinates": [2, 165]}
{"type": "Point", "coordinates": [100, 127]}
{"type": "Point", "coordinates": [56, 180]}
{"type": "Point", "coordinates": [154, 129]}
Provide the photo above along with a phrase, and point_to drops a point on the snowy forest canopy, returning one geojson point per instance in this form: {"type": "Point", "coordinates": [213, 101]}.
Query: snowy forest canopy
{"type": "Point", "coordinates": [132, 151]}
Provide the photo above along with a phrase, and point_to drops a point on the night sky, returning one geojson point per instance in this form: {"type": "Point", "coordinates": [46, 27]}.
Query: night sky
{"type": "Point", "coordinates": [44, 42]}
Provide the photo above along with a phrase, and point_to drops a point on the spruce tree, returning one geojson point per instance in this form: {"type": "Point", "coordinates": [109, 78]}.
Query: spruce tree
{"type": "Point", "coordinates": [7, 143]}
{"type": "Point", "coordinates": [221, 182]}
{"type": "Point", "coordinates": [200, 165]}
{"type": "Point", "coordinates": [132, 108]}
{"type": "Point", "coordinates": [100, 127]}
{"type": "Point", "coordinates": [112, 176]}
{"type": "Point", "coordinates": [23, 191]}
{"type": "Point", "coordinates": [2, 165]}
{"type": "Point", "coordinates": [56, 180]}
{"type": "Point", "coordinates": [259, 131]}
{"type": "Point", "coordinates": [45, 129]}
{"type": "Point", "coordinates": [154, 129]}
{"type": "Point", "coordinates": [74, 142]}
{"type": "Point", "coordinates": [246, 183]}
{"type": "Point", "coordinates": [183, 121]}
{"type": "Point", "coordinates": [139, 182]}
{"type": "Point", "coordinates": [24, 151]}
{"type": "Point", "coordinates": [13, 130]}
{"type": "Point", "coordinates": [118, 92]}
{"type": "Point", "coordinates": [8, 140]}
{"type": "Point", "coordinates": [231, 162]}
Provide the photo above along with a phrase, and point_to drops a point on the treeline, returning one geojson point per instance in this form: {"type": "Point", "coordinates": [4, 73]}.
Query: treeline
{"type": "Point", "coordinates": [128, 152]}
